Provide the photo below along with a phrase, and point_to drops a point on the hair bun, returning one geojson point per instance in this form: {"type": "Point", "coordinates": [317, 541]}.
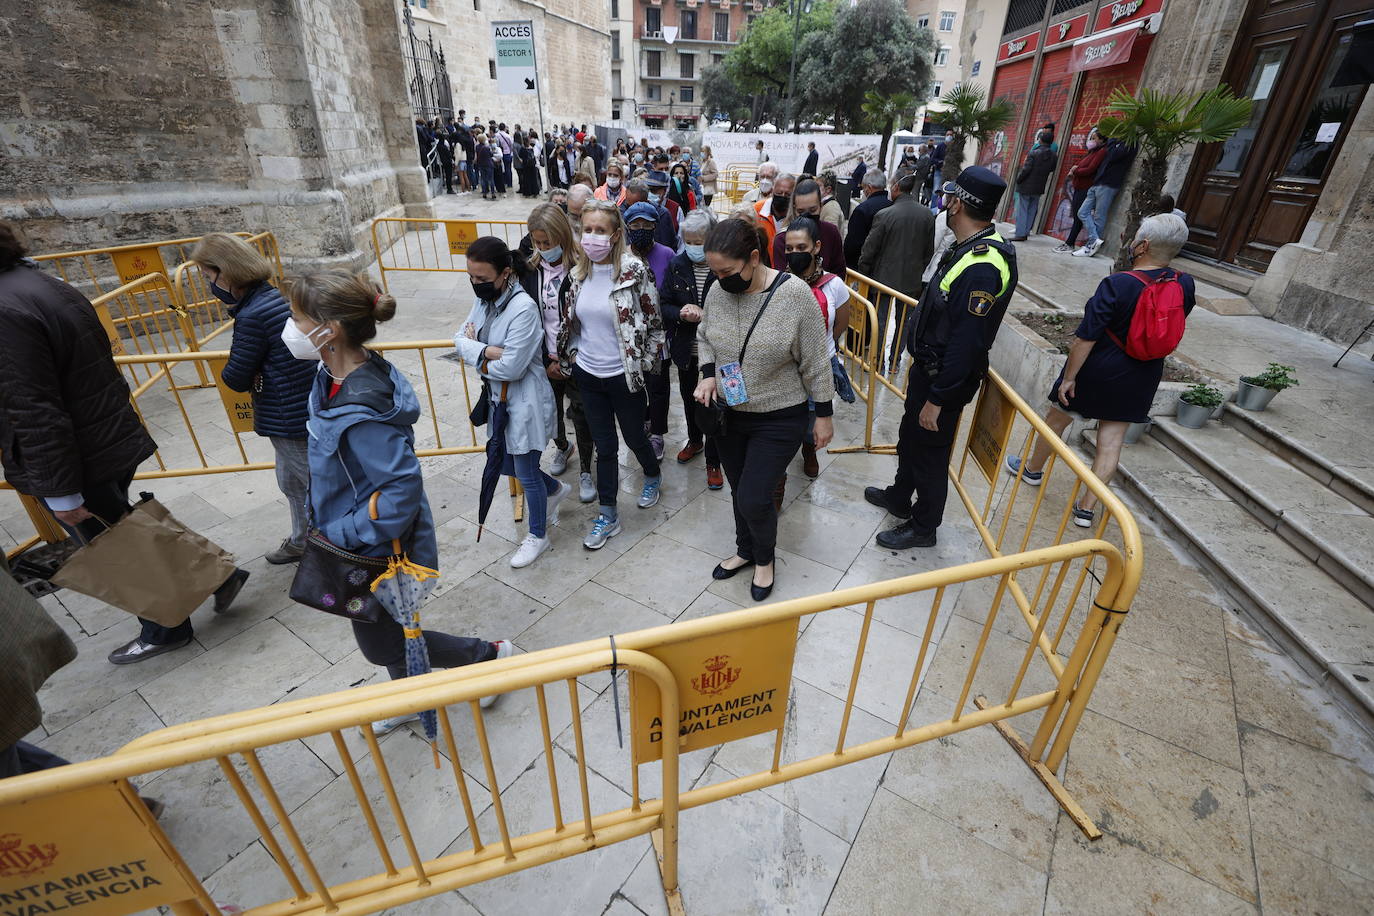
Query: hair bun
{"type": "Point", "coordinates": [384, 307]}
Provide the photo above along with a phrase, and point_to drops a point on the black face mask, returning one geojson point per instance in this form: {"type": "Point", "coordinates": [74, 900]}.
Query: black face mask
{"type": "Point", "coordinates": [487, 291]}
{"type": "Point", "coordinates": [799, 262]}
{"type": "Point", "coordinates": [780, 204]}
{"type": "Point", "coordinates": [815, 214]}
{"type": "Point", "coordinates": [735, 283]}
{"type": "Point", "coordinates": [641, 239]}
{"type": "Point", "coordinates": [222, 294]}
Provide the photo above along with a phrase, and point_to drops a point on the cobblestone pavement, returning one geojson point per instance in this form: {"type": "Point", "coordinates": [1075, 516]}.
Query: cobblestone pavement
{"type": "Point", "coordinates": [1223, 779]}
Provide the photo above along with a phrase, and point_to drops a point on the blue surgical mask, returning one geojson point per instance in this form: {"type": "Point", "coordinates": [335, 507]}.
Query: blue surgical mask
{"type": "Point", "coordinates": [553, 255]}
{"type": "Point", "coordinates": [222, 294]}
{"type": "Point", "coordinates": [696, 252]}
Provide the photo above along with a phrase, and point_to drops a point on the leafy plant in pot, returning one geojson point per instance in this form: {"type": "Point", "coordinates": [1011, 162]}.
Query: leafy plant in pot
{"type": "Point", "coordinates": [1195, 406]}
{"type": "Point", "coordinates": [1256, 391]}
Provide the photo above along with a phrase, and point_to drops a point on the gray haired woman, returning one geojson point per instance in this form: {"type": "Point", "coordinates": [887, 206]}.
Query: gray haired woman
{"type": "Point", "coordinates": [1101, 381]}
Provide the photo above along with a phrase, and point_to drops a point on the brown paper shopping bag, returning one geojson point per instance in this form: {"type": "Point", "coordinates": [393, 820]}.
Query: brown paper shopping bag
{"type": "Point", "coordinates": [148, 564]}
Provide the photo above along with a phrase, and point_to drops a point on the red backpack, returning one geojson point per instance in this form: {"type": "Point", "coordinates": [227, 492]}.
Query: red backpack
{"type": "Point", "coordinates": [1158, 322]}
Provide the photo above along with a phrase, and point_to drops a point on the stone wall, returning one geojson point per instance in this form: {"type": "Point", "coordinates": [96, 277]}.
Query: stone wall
{"type": "Point", "coordinates": [127, 122]}
{"type": "Point", "coordinates": [573, 43]}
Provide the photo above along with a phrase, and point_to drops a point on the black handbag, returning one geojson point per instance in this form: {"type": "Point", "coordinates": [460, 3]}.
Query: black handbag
{"type": "Point", "coordinates": [481, 411]}
{"type": "Point", "coordinates": [337, 581]}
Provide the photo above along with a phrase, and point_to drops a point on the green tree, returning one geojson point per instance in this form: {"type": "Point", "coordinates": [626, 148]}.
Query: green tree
{"type": "Point", "coordinates": [873, 45]}
{"type": "Point", "coordinates": [884, 112]}
{"type": "Point", "coordinates": [758, 65]}
{"type": "Point", "coordinates": [722, 95]}
{"type": "Point", "coordinates": [1159, 125]}
{"type": "Point", "coordinates": [968, 116]}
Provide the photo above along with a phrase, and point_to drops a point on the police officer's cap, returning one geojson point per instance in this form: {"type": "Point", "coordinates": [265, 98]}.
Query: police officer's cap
{"type": "Point", "coordinates": [980, 187]}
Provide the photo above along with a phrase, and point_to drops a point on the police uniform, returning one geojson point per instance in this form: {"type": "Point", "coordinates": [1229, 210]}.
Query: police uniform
{"type": "Point", "coordinates": [958, 319]}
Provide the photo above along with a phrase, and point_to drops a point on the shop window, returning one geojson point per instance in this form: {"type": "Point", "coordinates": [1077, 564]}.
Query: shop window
{"type": "Point", "coordinates": [1021, 14]}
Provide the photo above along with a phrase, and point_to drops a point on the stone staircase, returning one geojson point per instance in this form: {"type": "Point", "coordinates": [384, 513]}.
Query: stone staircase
{"type": "Point", "coordinates": [1287, 534]}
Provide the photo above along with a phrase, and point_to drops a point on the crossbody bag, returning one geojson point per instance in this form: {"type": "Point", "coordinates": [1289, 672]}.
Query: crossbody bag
{"type": "Point", "coordinates": [711, 418]}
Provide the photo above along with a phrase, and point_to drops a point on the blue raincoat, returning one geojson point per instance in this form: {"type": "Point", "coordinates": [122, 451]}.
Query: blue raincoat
{"type": "Point", "coordinates": [361, 441]}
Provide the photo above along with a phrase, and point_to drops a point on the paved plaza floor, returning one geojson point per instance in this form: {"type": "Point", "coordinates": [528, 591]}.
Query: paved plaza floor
{"type": "Point", "coordinates": [1223, 778]}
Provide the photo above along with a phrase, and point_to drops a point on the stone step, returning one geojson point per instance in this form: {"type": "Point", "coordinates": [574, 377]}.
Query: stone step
{"type": "Point", "coordinates": [1264, 427]}
{"type": "Point", "coordinates": [1317, 621]}
{"type": "Point", "coordinates": [1227, 276]}
{"type": "Point", "coordinates": [1323, 525]}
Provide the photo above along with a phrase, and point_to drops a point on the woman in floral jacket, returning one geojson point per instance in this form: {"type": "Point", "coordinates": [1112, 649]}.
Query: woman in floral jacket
{"type": "Point", "coordinates": [611, 338]}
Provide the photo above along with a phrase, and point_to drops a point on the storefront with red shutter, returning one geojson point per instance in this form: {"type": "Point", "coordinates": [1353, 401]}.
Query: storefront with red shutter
{"type": "Point", "coordinates": [1063, 74]}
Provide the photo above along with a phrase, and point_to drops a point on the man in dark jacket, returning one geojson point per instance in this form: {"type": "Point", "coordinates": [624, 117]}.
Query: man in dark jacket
{"type": "Point", "coordinates": [896, 253]}
{"type": "Point", "coordinates": [443, 144]}
{"type": "Point", "coordinates": [260, 362]}
{"type": "Point", "coordinates": [68, 434]}
{"type": "Point", "coordinates": [1106, 183]}
{"type": "Point", "coordinates": [813, 160]}
{"type": "Point", "coordinates": [861, 220]}
{"type": "Point", "coordinates": [1030, 182]}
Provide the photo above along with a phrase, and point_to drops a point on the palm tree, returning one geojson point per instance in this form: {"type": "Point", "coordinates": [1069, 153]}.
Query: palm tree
{"type": "Point", "coordinates": [966, 116]}
{"type": "Point", "coordinates": [1159, 125]}
{"type": "Point", "coordinates": [886, 111]}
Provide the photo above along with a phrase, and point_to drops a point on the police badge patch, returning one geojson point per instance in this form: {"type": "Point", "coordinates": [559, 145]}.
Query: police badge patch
{"type": "Point", "coordinates": [980, 303]}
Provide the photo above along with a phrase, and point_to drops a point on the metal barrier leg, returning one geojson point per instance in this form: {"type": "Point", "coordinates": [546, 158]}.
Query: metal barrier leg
{"type": "Point", "coordinates": [1066, 801]}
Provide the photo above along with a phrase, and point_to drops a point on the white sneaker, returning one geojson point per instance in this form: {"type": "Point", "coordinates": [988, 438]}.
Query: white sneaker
{"type": "Point", "coordinates": [586, 488]}
{"type": "Point", "coordinates": [504, 649]}
{"type": "Point", "coordinates": [1086, 251]}
{"type": "Point", "coordinates": [387, 726]}
{"type": "Point", "coordinates": [530, 549]}
{"type": "Point", "coordinates": [560, 459]}
{"type": "Point", "coordinates": [552, 502]}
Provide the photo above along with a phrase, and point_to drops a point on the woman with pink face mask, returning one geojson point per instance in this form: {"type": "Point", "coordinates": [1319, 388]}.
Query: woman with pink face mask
{"type": "Point", "coordinates": [610, 339]}
{"type": "Point", "coordinates": [1080, 180]}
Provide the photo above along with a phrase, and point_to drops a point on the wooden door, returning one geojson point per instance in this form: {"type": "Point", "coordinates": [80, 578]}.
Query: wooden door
{"type": "Point", "coordinates": [1254, 193]}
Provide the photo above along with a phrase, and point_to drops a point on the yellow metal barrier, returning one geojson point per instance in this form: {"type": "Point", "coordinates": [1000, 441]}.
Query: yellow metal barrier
{"type": "Point", "coordinates": [403, 244]}
{"type": "Point", "coordinates": [144, 316]}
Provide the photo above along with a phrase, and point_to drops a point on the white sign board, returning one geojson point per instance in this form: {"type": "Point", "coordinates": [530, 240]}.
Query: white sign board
{"type": "Point", "coordinates": [839, 152]}
{"type": "Point", "coordinates": [515, 74]}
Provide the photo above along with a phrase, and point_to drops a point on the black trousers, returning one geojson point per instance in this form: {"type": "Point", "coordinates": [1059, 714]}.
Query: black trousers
{"type": "Point", "coordinates": [755, 452]}
{"type": "Point", "coordinates": [687, 378]}
{"type": "Point", "coordinates": [1074, 203]}
{"type": "Point", "coordinates": [660, 395]}
{"type": "Point", "coordinates": [923, 458]}
{"type": "Point", "coordinates": [608, 402]}
{"type": "Point", "coordinates": [109, 502]}
{"type": "Point", "coordinates": [384, 643]}
{"type": "Point", "coordinates": [448, 175]}
{"type": "Point", "coordinates": [566, 390]}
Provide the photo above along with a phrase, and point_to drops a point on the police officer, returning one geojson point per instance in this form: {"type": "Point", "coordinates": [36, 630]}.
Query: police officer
{"type": "Point", "coordinates": [959, 316]}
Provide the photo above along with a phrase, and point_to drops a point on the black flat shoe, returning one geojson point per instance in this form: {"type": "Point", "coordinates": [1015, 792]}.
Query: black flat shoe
{"type": "Point", "coordinates": [720, 572]}
{"type": "Point", "coordinates": [904, 537]}
{"type": "Point", "coordinates": [761, 592]}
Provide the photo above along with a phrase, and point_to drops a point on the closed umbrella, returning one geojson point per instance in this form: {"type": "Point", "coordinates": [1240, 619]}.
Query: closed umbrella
{"type": "Point", "coordinates": [496, 458]}
{"type": "Point", "coordinates": [401, 590]}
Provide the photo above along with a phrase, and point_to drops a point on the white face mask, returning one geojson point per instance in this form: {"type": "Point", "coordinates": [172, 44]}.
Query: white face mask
{"type": "Point", "coordinates": [612, 182]}
{"type": "Point", "coordinates": [765, 186]}
{"type": "Point", "coordinates": [301, 345]}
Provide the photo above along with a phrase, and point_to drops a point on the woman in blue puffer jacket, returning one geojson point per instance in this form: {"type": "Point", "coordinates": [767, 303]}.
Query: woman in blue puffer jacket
{"type": "Point", "coordinates": [362, 441]}
{"type": "Point", "coordinates": [237, 274]}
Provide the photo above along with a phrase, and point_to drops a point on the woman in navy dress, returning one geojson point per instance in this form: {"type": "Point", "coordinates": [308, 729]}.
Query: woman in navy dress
{"type": "Point", "coordinates": [1100, 381]}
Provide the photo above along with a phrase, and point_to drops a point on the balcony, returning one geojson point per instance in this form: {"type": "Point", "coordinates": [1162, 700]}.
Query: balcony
{"type": "Point", "coordinates": [703, 39]}
{"type": "Point", "coordinates": [669, 78]}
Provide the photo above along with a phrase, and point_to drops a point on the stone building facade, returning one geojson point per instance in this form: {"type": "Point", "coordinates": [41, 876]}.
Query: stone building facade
{"type": "Point", "coordinates": [572, 42]}
{"type": "Point", "coordinates": [129, 122]}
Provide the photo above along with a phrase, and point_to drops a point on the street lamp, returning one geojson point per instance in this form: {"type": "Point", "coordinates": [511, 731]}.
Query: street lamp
{"type": "Point", "coordinates": [798, 7]}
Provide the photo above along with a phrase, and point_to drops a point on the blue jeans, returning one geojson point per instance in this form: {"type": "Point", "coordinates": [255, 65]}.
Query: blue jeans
{"type": "Point", "coordinates": [1095, 208]}
{"type": "Point", "coordinates": [484, 171]}
{"type": "Point", "coordinates": [1026, 205]}
{"type": "Point", "coordinates": [538, 488]}
{"type": "Point", "coordinates": [506, 159]}
{"type": "Point", "coordinates": [935, 190]}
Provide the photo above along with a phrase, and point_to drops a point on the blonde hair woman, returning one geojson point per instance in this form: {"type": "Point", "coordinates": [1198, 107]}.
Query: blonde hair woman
{"type": "Point", "coordinates": [709, 174]}
{"type": "Point", "coordinates": [237, 274]}
{"type": "Point", "coordinates": [543, 275]}
{"type": "Point", "coordinates": [611, 337]}
{"type": "Point", "coordinates": [362, 441]}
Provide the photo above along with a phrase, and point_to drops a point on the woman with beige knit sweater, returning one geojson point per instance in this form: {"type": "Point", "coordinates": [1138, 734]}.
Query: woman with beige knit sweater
{"type": "Point", "coordinates": [763, 351]}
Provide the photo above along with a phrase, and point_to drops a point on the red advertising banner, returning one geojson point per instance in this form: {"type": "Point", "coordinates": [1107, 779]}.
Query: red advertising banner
{"type": "Point", "coordinates": [1097, 86]}
{"type": "Point", "coordinates": [1012, 82]}
{"type": "Point", "coordinates": [1093, 53]}
{"type": "Point", "coordinates": [1015, 47]}
{"type": "Point", "coordinates": [1068, 30]}
{"type": "Point", "coordinates": [1114, 14]}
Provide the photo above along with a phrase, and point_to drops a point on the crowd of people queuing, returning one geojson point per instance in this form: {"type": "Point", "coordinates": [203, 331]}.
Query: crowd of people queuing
{"type": "Point", "coordinates": [625, 280]}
